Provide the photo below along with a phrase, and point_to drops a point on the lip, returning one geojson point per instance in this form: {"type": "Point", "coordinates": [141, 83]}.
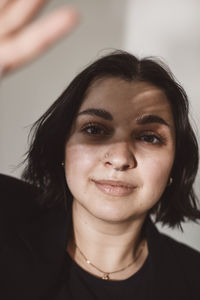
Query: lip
{"type": "Point", "coordinates": [114, 187]}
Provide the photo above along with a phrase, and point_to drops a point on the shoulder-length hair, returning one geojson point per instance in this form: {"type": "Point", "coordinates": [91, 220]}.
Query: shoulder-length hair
{"type": "Point", "coordinates": [51, 130]}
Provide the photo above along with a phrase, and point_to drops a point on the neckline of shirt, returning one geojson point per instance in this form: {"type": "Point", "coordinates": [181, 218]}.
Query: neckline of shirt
{"type": "Point", "coordinates": [88, 276]}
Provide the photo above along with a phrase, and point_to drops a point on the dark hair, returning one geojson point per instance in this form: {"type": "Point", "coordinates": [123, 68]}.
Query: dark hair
{"type": "Point", "coordinates": [51, 131]}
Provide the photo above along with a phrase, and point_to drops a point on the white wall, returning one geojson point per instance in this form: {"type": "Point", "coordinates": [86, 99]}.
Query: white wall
{"type": "Point", "coordinates": [170, 29]}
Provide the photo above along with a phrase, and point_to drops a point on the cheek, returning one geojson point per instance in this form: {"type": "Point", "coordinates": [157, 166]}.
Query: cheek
{"type": "Point", "coordinates": [79, 160]}
{"type": "Point", "coordinates": [156, 173]}
{"type": "Point", "coordinates": [154, 177]}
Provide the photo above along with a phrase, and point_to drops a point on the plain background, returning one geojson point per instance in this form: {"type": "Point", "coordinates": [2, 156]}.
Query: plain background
{"type": "Point", "coordinates": [168, 29]}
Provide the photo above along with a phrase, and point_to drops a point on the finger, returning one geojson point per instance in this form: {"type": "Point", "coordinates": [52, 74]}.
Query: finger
{"type": "Point", "coordinates": [16, 14]}
{"type": "Point", "coordinates": [37, 38]}
{"type": "Point", "coordinates": [4, 3]}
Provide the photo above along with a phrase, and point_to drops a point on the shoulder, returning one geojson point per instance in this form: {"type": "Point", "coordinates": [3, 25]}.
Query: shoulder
{"type": "Point", "coordinates": [31, 241]}
{"type": "Point", "coordinates": [27, 229]}
{"type": "Point", "coordinates": [10, 184]}
{"type": "Point", "coordinates": [17, 198]}
{"type": "Point", "coordinates": [175, 266]}
{"type": "Point", "coordinates": [185, 262]}
{"type": "Point", "coordinates": [170, 254]}
{"type": "Point", "coordinates": [169, 245]}
{"type": "Point", "coordinates": [180, 248]}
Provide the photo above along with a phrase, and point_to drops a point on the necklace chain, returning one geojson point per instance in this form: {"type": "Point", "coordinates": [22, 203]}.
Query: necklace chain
{"type": "Point", "coordinates": [106, 275]}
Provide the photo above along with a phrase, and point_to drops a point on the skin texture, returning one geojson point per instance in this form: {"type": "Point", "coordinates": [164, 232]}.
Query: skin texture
{"type": "Point", "coordinates": [150, 163]}
{"type": "Point", "coordinates": [110, 217]}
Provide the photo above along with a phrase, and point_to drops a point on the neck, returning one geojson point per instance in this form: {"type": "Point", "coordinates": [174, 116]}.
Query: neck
{"type": "Point", "coordinates": [109, 246]}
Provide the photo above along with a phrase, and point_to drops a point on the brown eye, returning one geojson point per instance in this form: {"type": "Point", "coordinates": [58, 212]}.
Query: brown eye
{"type": "Point", "coordinates": [151, 139]}
{"type": "Point", "coordinates": [95, 130]}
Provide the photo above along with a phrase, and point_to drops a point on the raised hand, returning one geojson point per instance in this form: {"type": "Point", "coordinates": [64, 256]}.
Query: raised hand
{"type": "Point", "coordinates": [20, 40]}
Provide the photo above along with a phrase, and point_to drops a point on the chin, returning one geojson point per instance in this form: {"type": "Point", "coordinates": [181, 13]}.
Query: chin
{"type": "Point", "coordinates": [117, 216]}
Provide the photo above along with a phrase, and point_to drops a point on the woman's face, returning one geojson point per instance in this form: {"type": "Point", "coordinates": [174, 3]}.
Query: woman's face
{"type": "Point", "coordinates": [121, 149]}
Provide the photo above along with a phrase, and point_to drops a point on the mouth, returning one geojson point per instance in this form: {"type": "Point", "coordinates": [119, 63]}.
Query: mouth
{"type": "Point", "coordinates": [114, 188]}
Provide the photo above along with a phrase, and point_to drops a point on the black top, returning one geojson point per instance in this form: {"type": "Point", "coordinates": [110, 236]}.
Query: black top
{"type": "Point", "coordinates": [82, 285]}
{"type": "Point", "coordinates": [34, 264]}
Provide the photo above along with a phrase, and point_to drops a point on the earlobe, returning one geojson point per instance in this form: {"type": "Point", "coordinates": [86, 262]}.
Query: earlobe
{"type": "Point", "coordinates": [170, 181]}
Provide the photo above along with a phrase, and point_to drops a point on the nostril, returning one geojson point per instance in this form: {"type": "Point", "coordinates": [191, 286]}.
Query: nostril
{"type": "Point", "coordinates": [122, 168]}
{"type": "Point", "coordinates": [108, 163]}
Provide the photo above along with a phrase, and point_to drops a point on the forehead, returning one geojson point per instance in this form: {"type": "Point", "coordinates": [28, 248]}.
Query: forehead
{"type": "Point", "coordinates": [127, 99]}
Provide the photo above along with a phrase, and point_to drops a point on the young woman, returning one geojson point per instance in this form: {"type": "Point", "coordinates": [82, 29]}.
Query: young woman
{"type": "Point", "coordinates": [114, 149]}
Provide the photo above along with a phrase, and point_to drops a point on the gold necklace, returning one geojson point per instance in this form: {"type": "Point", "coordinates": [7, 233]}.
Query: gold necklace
{"type": "Point", "coordinates": [106, 275]}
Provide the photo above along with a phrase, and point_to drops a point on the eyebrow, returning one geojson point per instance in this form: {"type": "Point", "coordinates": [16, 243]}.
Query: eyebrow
{"type": "Point", "coordinates": [97, 112]}
{"type": "Point", "coordinates": [142, 120]}
{"type": "Point", "coordinates": [146, 119]}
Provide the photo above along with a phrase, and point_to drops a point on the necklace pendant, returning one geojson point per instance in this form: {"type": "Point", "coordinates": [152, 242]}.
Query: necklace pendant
{"type": "Point", "coordinates": [106, 276]}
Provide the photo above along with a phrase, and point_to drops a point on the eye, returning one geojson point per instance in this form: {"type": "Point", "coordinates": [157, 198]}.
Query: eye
{"type": "Point", "coordinates": [151, 139]}
{"type": "Point", "coordinates": [95, 129]}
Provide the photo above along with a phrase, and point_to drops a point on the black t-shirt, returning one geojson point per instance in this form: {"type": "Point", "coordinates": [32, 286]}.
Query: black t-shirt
{"type": "Point", "coordinates": [34, 264]}
{"type": "Point", "coordinates": [79, 284]}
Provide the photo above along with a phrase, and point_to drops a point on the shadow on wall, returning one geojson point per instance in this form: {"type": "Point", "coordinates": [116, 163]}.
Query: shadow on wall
{"type": "Point", "coordinates": [171, 30]}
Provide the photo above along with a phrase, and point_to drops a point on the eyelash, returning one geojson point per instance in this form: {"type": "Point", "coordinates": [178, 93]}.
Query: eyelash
{"type": "Point", "coordinates": [145, 137]}
{"type": "Point", "coordinates": [150, 136]}
{"type": "Point", "coordinates": [95, 126]}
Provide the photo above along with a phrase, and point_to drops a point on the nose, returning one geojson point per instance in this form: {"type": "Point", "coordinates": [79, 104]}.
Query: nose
{"type": "Point", "coordinates": [120, 157]}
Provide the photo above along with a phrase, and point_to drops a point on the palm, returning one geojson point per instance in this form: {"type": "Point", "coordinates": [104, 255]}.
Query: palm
{"type": "Point", "coordinates": [20, 40]}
